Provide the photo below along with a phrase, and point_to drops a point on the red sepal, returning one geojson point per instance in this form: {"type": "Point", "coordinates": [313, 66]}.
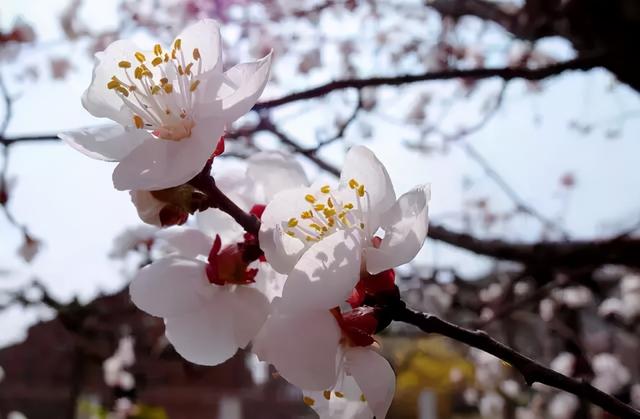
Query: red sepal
{"type": "Point", "coordinates": [357, 325]}
{"type": "Point", "coordinates": [371, 286]}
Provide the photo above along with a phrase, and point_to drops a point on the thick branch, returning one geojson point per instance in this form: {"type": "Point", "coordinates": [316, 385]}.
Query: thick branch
{"type": "Point", "coordinates": [531, 370]}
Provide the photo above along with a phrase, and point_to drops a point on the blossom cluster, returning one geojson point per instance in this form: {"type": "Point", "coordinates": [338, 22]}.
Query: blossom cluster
{"type": "Point", "coordinates": [299, 289]}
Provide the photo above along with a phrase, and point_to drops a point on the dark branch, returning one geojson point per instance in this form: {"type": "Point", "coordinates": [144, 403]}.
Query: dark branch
{"type": "Point", "coordinates": [531, 371]}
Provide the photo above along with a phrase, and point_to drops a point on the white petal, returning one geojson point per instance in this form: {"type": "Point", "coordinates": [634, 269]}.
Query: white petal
{"type": "Point", "coordinates": [250, 309]}
{"type": "Point", "coordinates": [147, 206]}
{"type": "Point", "coordinates": [110, 143]}
{"type": "Point", "coordinates": [206, 335]}
{"type": "Point", "coordinates": [160, 164]}
{"type": "Point", "coordinates": [325, 275]}
{"type": "Point", "coordinates": [169, 286]}
{"type": "Point", "coordinates": [280, 250]}
{"type": "Point", "coordinates": [241, 88]}
{"type": "Point", "coordinates": [204, 35]}
{"type": "Point", "coordinates": [349, 406]}
{"type": "Point", "coordinates": [99, 100]}
{"type": "Point", "coordinates": [302, 347]}
{"type": "Point", "coordinates": [275, 172]}
{"type": "Point", "coordinates": [374, 376]}
{"type": "Point", "coordinates": [268, 281]}
{"type": "Point", "coordinates": [363, 166]}
{"type": "Point", "coordinates": [213, 221]}
{"type": "Point", "coordinates": [405, 225]}
{"type": "Point", "coordinates": [188, 243]}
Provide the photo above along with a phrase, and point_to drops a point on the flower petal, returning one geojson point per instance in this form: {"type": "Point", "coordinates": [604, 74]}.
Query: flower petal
{"type": "Point", "coordinates": [250, 309]}
{"type": "Point", "coordinates": [268, 281]}
{"type": "Point", "coordinates": [349, 405]}
{"type": "Point", "coordinates": [213, 221]}
{"type": "Point", "coordinates": [204, 35]}
{"type": "Point", "coordinates": [302, 347]}
{"type": "Point", "coordinates": [374, 376]}
{"type": "Point", "coordinates": [169, 286]}
{"type": "Point", "coordinates": [280, 250]}
{"type": "Point", "coordinates": [109, 143]}
{"type": "Point", "coordinates": [275, 172]}
{"type": "Point", "coordinates": [160, 164]}
{"type": "Point", "coordinates": [98, 99]}
{"type": "Point", "coordinates": [188, 243]}
{"type": "Point", "coordinates": [325, 275]}
{"type": "Point", "coordinates": [405, 225]}
{"type": "Point", "coordinates": [206, 335]}
{"type": "Point", "coordinates": [363, 166]}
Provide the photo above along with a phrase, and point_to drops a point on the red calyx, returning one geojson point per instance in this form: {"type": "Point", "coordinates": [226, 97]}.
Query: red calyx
{"type": "Point", "coordinates": [357, 325]}
{"type": "Point", "coordinates": [219, 148]}
{"type": "Point", "coordinates": [228, 266]}
{"type": "Point", "coordinates": [380, 284]}
{"type": "Point", "coordinates": [170, 215]}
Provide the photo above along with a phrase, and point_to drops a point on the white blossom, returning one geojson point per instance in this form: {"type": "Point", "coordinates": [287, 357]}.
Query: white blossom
{"type": "Point", "coordinates": [563, 406]}
{"type": "Point", "coordinates": [610, 374]}
{"type": "Point", "coordinates": [564, 363]}
{"type": "Point", "coordinates": [170, 106]}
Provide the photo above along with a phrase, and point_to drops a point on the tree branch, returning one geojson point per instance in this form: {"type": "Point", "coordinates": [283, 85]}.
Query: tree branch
{"type": "Point", "coordinates": [531, 370]}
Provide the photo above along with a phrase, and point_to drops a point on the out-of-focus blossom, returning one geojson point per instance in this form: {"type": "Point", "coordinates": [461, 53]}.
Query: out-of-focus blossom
{"type": "Point", "coordinates": [491, 293]}
{"type": "Point", "coordinates": [627, 307]}
{"type": "Point", "coordinates": [59, 67]}
{"type": "Point", "coordinates": [171, 107]}
{"type": "Point", "coordinates": [134, 238]}
{"type": "Point", "coordinates": [491, 405]}
{"type": "Point", "coordinates": [547, 309]}
{"type": "Point", "coordinates": [16, 415]}
{"type": "Point", "coordinates": [573, 297]}
{"type": "Point", "coordinates": [635, 396]}
{"type": "Point", "coordinates": [29, 248]}
{"type": "Point", "coordinates": [563, 406]}
{"type": "Point", "coordinates": [115, 367]}
{"type": "Point", "coordinates": [610, 374]}
{"type": "Point", "coordinates": [564, 363]}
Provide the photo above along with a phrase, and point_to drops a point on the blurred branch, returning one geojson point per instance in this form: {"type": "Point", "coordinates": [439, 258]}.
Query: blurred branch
{"type": "Point", "coordinates": [505, 73]}
{"type": "Point", "coordinates": [531, 371]}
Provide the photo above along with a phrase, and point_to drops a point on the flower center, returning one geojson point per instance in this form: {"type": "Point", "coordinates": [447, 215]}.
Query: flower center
{"type": "Point", "coordinates": [161, 92]}
{"type": "Point", "coordinates": [327, 214]}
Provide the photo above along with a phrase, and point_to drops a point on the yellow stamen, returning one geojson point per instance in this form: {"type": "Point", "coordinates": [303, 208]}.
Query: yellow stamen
{"type": "Point", "coordinates": [339, 394]}
{"type": "Point", "coordinates": [292, 222]}
{"type": "Point", "coordinates": [155, 90]}
{"type": "Point", "coordinates": [122, 90]}
{"type": "Point", "coordinates": [168, 88]}
{"type": "Point", "coordinates": [362, 398]}
{"type": "Point", "coordinates": [361, 191]}
{"type": "Point", "coordinates": [164, 81]}
{"type": "Point", "coordinates": [132, 88]}
{"type": "Point", "coordinates": [156, 61]}
{"type": "Point", "coordinates": [353, 183]}
{"type": "Point", "coordinates": [325, 189]}
{"type": "Point", "coordinates": [315, 227]}
{"type": "Point", "coordinates": [362, 226]}
{"type": "Point", "coordinates": [113, 84]}
{"type": "Point", "coordinates": [308, 401]}
{"type": "Point", "coordinates": [291, 234]}
{"type": "Point", "coordinates": [194, 85]}
{"type": "Point", "coordinates": [306, 215]}
{"type": "Point", "coordinates": [196, 54]}
{"type": "Point", "coordinates": [137, 73]}
{"type": "Point", "coordinates": [180, 70]}
{"type": "Point", "coordinates": [166, 57]}
{"type": "Point", "coordinates": [140, 57]}
{"type": "Point", "coordinates": [309, 239]}
{"type": "Point", "coordinates": [330, 203]}
{"type": "Point", "coordinates": [348, 205]}
{"type": "Point", "coordinates": [157, 49]}
{"type": "Point", "coordinates": [124, 64]}
{"type": "Point", "coordinates": [329, 212]}
{"type": "Point", "coordinates": [177, 44]}
{"type": "Point", "coordinates": [138, 121]}
{"type": "Point", "coordinates": [310, 198]}
{"type": "Point", "coordinates": [318, 207]}
{"type": "Point", "coordinates": [187, 69]}
{"type": "Point", "coordinates": [326, 394]}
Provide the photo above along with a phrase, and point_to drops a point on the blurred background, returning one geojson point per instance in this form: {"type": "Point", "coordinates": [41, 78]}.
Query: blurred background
{"type": "Point", "coordinates": [524, 116]}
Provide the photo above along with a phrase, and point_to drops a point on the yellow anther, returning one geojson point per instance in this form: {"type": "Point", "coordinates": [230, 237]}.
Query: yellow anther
{"type": "Point", "coordinates": [292, 222]}
{"type": "Point", "coordinates": [164, 81]}
{"type": "Point", "coordinates": [310, 239]}
{"type": "Point", "coordinates": [147, 73]}
{"type": "Point", "coordinates": [348, 205]}
{"type": "Point", "coordinates": [122, 90]}
{"type": "Point", "coordinates": [113, 84]}
{"type": "Point", "coordinates": [140, 57]}
{"type": "Point", "coordinates": [137, 73]}
{"type": "Point", "coordinates": [362, 226]}
{"type": "Point", "coordinates": [155, 90]}
{"type": "Point", "coordinates": [342, 215]}
{"type": "Point", "coordinates": [308, 401]}
{"type": "Point", "coordinates": [156, 61]}
{"type": "Point", "coordinates": [168, 88]}
{"type": "Point", "coordinates": [353, 183]}
{"type": "Point", "coordinates": [196, 54]}
{"type": "Point", "coordinates": [166, 57]}
{"type": "Point", "coordinates": [194, 85]}
{"type": "Point", "coordinates": [326, 394]}
{"type": "Point", "coordinates": [291, 234]}
{"type": "Point", "coordinates": [180, 70]}
{"type": "Point", "coordinates": [325, 189]}
{"type": "Point", "coordinates": [157, 49]}
{"type": "Point", "coordinates": [362, 398]}
{"type": "Point", "coordinates": [361, 191]}
{"type": "Point", "coordinates": [315, 227]}
{"type": "Point", "coordinates": [167, 111]}
{"type": "Point", "coordinates": [187, 69]}
{"type": "Point", "coordinates": [329, 212]}
{"type": "Point", "coordinates": [306, 215]}
{"type": "Point", "coordinates": [138, 121]}
{"type": "Point", "coordinates": [318, 207]}
{"type": "Point", "coordinates": [132, 88]}
{"type": "Point", "coordinates": [183, 114]}
{"type": "Point", "coordinates": [339, 394]}
{"type": "Point", "coordinates": [173, 54]}
{"type": "Point", "coordinates": [124, 64]}
{"type": "Point", "coordinates": [310, 198]}
{"type": "Point", "coordinates": [177, 44]}
{"type": "Point", "coordinates": [331, 221]}
{"type": "Point", "coordinates": [325, 229]}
